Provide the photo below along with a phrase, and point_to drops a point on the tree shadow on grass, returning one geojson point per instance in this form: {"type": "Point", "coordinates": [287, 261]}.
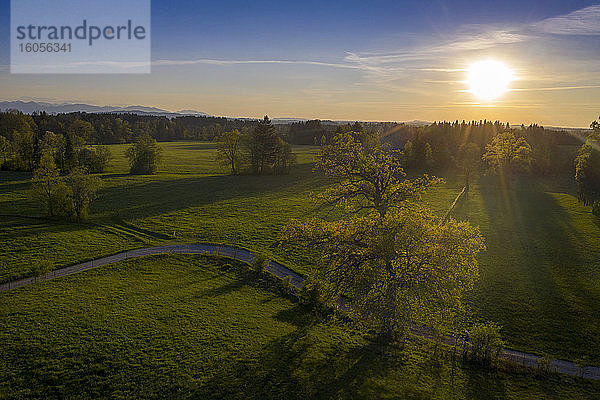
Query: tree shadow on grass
{"type": "Point", "coordinates": [22, 228]}
{"type": "Point", "coordinates": [195, 146]}
{"type": "Point", "coordinates": [142, 200]}
{"type": "Point", "coordinates": [292, 367]}
{"type": "Point", "coordinates": [534, 271]}
{"type": "Point", "coordinates": [484, 384]}
{"type": "Point", "coordinates": [227, 288]}
{"type": "Point", "coordinates": [13, 176]}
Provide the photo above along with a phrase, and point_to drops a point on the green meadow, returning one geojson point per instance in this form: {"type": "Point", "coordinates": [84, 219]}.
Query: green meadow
{"type": "Point", "coordinates": [538, 278]}
{"type": "Point", "coordinates": [197, 327]}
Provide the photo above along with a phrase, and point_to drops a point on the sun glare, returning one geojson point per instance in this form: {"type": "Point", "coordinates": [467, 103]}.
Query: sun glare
{"type": "Point", "coordinates": [488, 79]}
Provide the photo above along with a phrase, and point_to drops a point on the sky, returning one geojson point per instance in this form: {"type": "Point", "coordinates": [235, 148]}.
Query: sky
{"type": "Point", "coordinates": [350, 60]}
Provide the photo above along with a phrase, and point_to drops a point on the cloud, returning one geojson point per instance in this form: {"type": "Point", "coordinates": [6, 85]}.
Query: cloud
{"type": "Point", "coordinates": [556, 88]}
{"type": "Point", "coordinates": [585, 21]}
{"type": "Point", "coordinates": [395, 66]}
{"type": "Point", "coordinates": [209, 61]}
{"type": "Point", "coordinates": [474, 38]}
{"type": "Point", "coordinates": [438, 58]}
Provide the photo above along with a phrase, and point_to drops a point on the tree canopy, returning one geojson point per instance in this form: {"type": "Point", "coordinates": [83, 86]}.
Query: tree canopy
{"type": "Point", "coordinates": [368, 178]}
{"type": "Point", "coordinates": [587, 167]}
{"type": "Point", "coordinates": [228, 150]}
{"type": "Point", "coordinates": [508, 154]}
{"type": "Point", "coordinates": [262, 144]}
{"type": "Point", "coordinates": [144, 156]}
{"type": "Point", "coordinates": [48, 188]}
{"type": "Point", "coordinates": [394, 261]}
{"type": "Point", "coordinates": [469, 160]}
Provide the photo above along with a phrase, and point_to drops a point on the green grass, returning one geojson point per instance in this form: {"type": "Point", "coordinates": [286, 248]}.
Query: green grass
{"type": "Point", "coordinates": [540, 277]}
{"type": "Point", "coordinates": [189, 327]}
{"type": "Point", "coordinates": [198, 203]}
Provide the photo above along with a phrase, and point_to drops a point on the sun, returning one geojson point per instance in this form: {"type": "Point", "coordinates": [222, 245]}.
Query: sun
{"type": "Point", "coordinates": [489, 79]}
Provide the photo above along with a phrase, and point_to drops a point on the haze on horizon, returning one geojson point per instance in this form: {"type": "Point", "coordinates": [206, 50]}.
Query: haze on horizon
{"type": "Point", "coordinates": [378, 61]}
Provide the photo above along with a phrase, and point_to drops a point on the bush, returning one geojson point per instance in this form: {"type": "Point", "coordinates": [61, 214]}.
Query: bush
{"type": "Point", "coordinates": [41, 268]}
{"type": "Point", "coordinates": [485, 343]}
{"type": "Point", "coordinates": [544, 365]}
{"type": "Point", "coordinates": [260, 263]}
{"type": "Point", "coordinates": [311, 295]}
{"type": "Point", "coordinates": [288, 287]}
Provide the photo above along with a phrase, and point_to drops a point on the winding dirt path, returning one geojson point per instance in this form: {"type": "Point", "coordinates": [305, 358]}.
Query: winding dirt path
{"type": "Point", "coordinates": [527, 359]}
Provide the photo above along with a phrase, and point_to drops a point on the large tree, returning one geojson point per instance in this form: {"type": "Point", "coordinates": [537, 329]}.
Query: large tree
{"type": "Point", "coordinates": [262, 144]}
{"type": "Point", "coordinates": [417, 153]}
{"type": "Point", "coordinates": [370, 178]}
{"type": "Point", "coordinates": [83, 189]}
{"type": "Point", "coordinates": [80, 132]}
{"type": "Point", "coordinates": [144, 155]}
{"type": "Point", "coordinates": [469, 159]}
{"type": "Point", "coordinates": [587, 167]}
{"type": "Point", "coordinates": [228, 150]}
{"type": "Point", "coordinates": [508, 154]}
{"type": "Point", "coordinates": [48, 188]}
{"type": "Point", "coordinates": [94, 159]}
{"type": "Point", "coordinates": [395, 262]}
{"type": "Point", "coordinates": [284, 159]}
{"type": "Point", "coordinates": [408, 267]}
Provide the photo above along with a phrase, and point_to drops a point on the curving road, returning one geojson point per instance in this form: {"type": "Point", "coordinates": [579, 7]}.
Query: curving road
{"type": "Point", "coordinates": [236, 253]}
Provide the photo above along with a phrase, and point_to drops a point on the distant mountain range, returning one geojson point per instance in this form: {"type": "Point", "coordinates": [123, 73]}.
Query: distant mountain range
{"type": "Point", "coordinates": [29, 107]}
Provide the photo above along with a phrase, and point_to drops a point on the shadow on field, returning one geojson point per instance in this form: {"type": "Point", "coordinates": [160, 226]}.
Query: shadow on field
{"type": "Point", "coordinates": [484, 385]}
{"type": "Point", "coordinates": [14, 176]}
{"type": "Point", "coordinates": [290, 368]}
{"type": "Point", "coordinates": [195, 146]}
{"type": "Point", "coordinates": [534, 273]}
{"type": "Point", "coordinates": [221, 290]}
{"type": "Point", "coordinates": [141, 200]}
{"type": "Point", "coordinates": [25, 227]}
{"type": "Point", "coordinates": [309, 364]}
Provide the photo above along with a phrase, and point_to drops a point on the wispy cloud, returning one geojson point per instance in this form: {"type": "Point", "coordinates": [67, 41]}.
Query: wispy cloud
{"type": "Point", "coordinates": [441, 56]}
{"type": "Point", "coordinates": [542, 89]}
{"type": "Point", "coordinates": [384, 68]}
{"type": "Point", "coordinates": [209, 61]}
{"type": "Point", "coordinates": [585, 21]}
{"type": "Point", "coordinates": [407, 63]}
{"type": "Point", "coordinates": [472, 38]}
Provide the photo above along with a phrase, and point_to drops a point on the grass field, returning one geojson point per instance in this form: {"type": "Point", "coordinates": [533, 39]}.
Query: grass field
{"type": "Point", "coordinates": [540, 277]}
{"type": "Point", "coordinates": [193, 327]}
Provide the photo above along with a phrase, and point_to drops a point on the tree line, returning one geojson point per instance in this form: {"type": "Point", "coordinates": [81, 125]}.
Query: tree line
{"type": "Point", "coordinates": [23, 142]}
{"type": "Point", "coordinates": [436, 146]}
{"type": "Point", "coordinates": [587, 169]}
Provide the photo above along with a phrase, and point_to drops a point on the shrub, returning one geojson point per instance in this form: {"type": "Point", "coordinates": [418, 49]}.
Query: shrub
{"type": "Point", "coordinates": [260, 263]}
{"type": "Point", "coordinates": [485, 343]}
{"type": "Point", "coordinates": [41, 268]}
{"type": "Point", "coordinates": [311, 295]}
{"type": "Point", "coordinates": [544, 365]}
{"type": "Point", "coordinates": [288, 287]}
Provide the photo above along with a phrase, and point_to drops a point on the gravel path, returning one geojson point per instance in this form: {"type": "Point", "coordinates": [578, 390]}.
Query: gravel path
{"type": "Point", "coordinates": [527, 359]}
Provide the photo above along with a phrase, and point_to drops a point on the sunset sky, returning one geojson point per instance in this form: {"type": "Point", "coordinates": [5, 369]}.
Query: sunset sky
{"type": "Point", "coordinates": [350, 60]}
